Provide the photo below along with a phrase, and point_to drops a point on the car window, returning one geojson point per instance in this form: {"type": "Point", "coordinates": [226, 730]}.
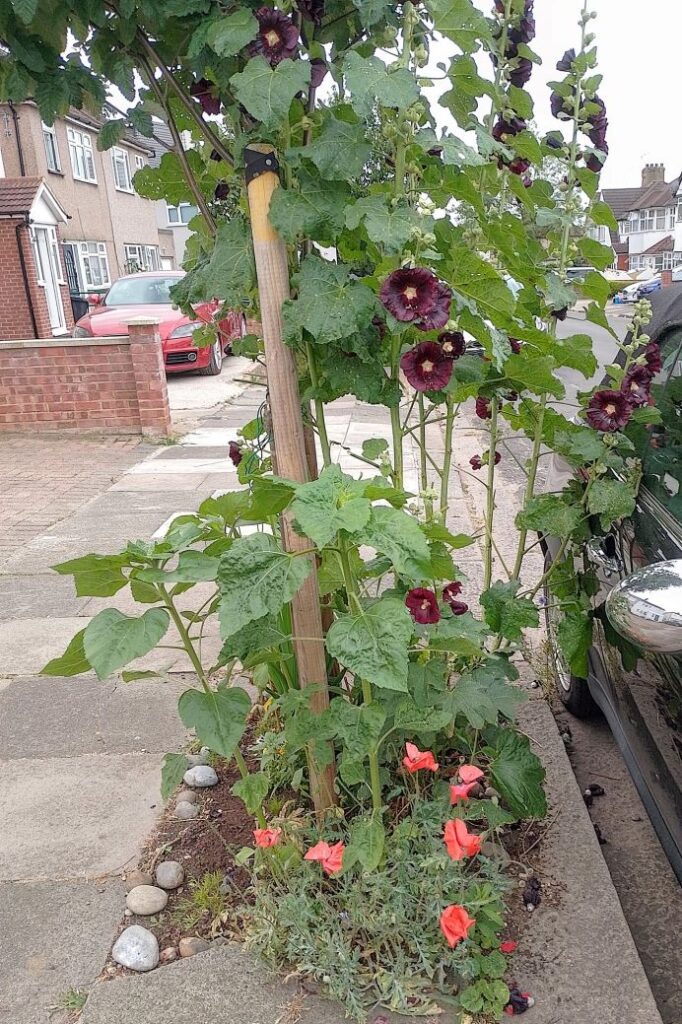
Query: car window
{"type": "Point", "coordinates": [661, 445]}
{"type": "Point", "coordinates": [141, 291]}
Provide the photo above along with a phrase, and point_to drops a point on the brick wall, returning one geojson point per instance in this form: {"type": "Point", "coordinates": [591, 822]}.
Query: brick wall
{"type": "Point", "coordinates": [15, 306]}
{"type": "Point", "coordinates": [116, 385]}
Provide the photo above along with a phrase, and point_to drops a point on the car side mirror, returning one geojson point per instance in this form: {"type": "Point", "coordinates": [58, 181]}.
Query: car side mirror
{"type": "Point", "coordinates": [646, 608]}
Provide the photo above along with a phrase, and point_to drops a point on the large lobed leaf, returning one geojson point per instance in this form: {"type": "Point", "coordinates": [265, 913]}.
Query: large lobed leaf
{"type": "Point", "coordinates": [373, 643]}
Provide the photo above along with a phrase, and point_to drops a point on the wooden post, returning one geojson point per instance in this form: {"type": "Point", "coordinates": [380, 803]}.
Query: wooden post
{"type": "Point", "coordinates": [289, 441]}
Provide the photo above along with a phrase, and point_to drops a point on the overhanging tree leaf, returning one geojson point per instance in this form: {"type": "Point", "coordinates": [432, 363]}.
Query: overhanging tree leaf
{"type": "Point", "coordinates": [229, 273]}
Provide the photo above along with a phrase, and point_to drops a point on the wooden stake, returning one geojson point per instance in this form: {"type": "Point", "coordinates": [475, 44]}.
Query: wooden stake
{"type": "Point", "coordinates": [289, 442]}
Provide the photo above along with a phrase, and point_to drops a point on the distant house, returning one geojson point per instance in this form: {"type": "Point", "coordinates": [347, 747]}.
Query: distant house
{"type": "Point", "coordinates": [649, 219]}
{"type": "Point", "coordinates": [100, 229]}
{"type": "Point", "coordinates": [172, 220]}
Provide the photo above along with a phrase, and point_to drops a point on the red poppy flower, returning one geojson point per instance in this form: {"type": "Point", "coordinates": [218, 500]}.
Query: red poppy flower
{"type": "Point", "coordinates": [509, 946]}
{"type": "Point", "coordinates": [416, 759]}
{"type": "Point", "coordinates": [277, 35]}
{"type": "Point", "coordinates": [470, 773]}
{"type": "Point", "coordinates": [459, 841]}
{"type": "Point", "coordinates": [636, 385]}
{"type": "Point", "coordinates": [455, 924]}
{"type": "Point", "coordinates": [458, 607]}
{"type": "Point", "coordinates": [452, 344]}
{"type": "Point", "coordinates": [609, 411]}
{"type": "Point", "coordinates": [652, 354]}
{"type": "Point", "coordinates": [235, 453]}
{"type": "Point", "coordinates": [452, 591]}
{"type": "Point", "coordinates": [203, 90]}
{"type": "Point", "coordinates": [415, 295]}
{"type": "Point", "coordinates": [267, 837]}
{"type": "Point", "coordinates": [483, 408]}
{"type": "Point", "coordinates": [461, 791]}
{"type": "Point", "coordinates": [423, 606]}
{"type": "Point", "coordinates": [330, 857]}
{"type": "Point", "coordinates": [426, 367]}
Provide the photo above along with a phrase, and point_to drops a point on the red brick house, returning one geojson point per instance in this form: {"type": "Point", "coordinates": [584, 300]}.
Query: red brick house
{"type": "Point", "coordinates": [34, 296]}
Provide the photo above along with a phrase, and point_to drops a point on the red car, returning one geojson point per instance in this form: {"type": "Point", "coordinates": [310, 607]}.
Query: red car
{"type": "Point", "coordinates": [148, 294]}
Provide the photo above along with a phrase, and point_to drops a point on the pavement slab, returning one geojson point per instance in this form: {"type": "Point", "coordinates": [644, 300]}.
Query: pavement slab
{"type": "Point", "coordinates": [26, 645]}
{"type": "Point", "coordinates": [47, 595]}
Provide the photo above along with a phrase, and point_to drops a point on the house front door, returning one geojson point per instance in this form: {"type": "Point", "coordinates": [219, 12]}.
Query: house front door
{"type": "Point", "coordinates": [49, 273]}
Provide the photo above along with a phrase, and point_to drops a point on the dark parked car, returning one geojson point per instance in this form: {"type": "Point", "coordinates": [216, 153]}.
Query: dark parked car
{"type": "Point", "coordinates": [639, 564]}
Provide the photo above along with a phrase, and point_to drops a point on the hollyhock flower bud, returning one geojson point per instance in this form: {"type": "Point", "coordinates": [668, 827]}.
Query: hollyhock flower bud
{"type": "Point", "coordinates": [221, 191]}
{"type": "Point", "coordinates": [483, 408]}
{"type": "Point", "coordinates": [561, 107]}
{"type": "Point", "coordinates": [636, 385]}
{"type": "Point", "coordinates": [426, 367]}
{"type": "Point", "coordinates": [277, 36]}
{"type": "Point", "coordinates": [458, 607]}
{"type": "Point", "coordinates": [312, 10]}
{"type": "Point", "coordinates": [235, 453]}
{"type": "Point", "coordinates": [594, 163]}
{"type": "Point", "coordinates": [423, 606]}
{"type": "Point", "coordinates": [554, 140]}
{"type": "Point", "coordinates": [203, 90]}
{"type": "Point", "coordinates": [515, 345]}
{"type": "Point", "coordinates": [452, 344]}
{"type": "Point", "coordinates": [652, 354]}
{"type": "Point", "coordinates": [609, 411]}
{"type": "Point", "coordinates": [318, 72]}
{"type": "Point", "coordinates": [476, 462]}
{"type": "Point", "coordinates": [507, 128]}
{"type": "Point", "coordinates": [560, 314]}
{"type": "Point", "coordinates": [452, 591]}
{"type": "Point", "coordinates": [519, 166]}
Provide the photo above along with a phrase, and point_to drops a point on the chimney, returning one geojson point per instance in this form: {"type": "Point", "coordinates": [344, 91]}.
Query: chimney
{"type": "Point", "coordinates": [652, 174]}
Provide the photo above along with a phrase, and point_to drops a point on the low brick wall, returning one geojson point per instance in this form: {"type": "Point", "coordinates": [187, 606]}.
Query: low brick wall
{"type": "Point", "coordinates": [117, 385]}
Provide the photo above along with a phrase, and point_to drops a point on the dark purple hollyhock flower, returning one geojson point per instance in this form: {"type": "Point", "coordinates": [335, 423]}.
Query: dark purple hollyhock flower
{"type": "Point", "coordinates": [526, 181]}
{"type": "Point", "coordinates": [498, 458]}
{"type": "Point", "coordinates": [202, 90]}
{"type": "Point", "coordinates": [452, 591]}
{"type": "Point", "coordinates": [594, 163]}
{"type": "Point", "coordinates": [609, 411]}
{"type": "Point", "coordinates": [222, 190]}
{"type": "Point", "coordinates": [277, 35]}
{"type": "Point", "coordinates": [440, 313]}
{"type": "Point", "coordinates": [652, 354]}
{"type": "Point", "coordinates": [476, 463]}
{"type": "Point", "coordinates": [426, 367]}
{"type": "Point", "coordinates": [600, 124]}
{"type": "Point", "coordinates": [566, 62]}
{"type": "Point", "coordinates": [522, 73]}
{"type": "Point", "coordinates": [435, 151]}
{"type": "Point", "coordinates": [519, 166]}
{"type": "Point", "coordinates": [554, 140]}
{"type": "Point", "coordinates": [312, 10]}
{"type": "Point", "coordinates": [560, 314]}
{"type": "Point", "coordinates": [452, 344]}
{"type": "Point", "coordinates": [507, 128]}
{"type": "Point", "coordinates": [524, 32]}
{"type": "Point", "coordinates": [410, 294]}
{"type": "Point", "coordinates": [636, 385]}
{"type": "Point", "coordinates": [560, 106]}
{"type": "Point", "coordinates": [515, 345]}
{"type": "Point", "coordinates": [318, 72]}
{"type": "Point", "coordinates": [215, 155]}
{"type": "Point", "coordinates": [483, 408]}
{"type": "Point", "coordinates": [458, 607]}
{"type": "Point", "coordinates": [235, 453]}
{"type": "Point", "coordinates": [423, 606]}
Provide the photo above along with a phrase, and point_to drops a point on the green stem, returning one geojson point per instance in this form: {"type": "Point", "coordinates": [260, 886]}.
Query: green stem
{"type": "Point", "coordinates": [530, 485]}
{"type": "Point", "coordinates": [490, 499]}
{"type": "Point", "coordinates": [447, 458]}
{"type": "Point", "coordinates": [423, 465]}
{"type": "Point", "coordinates": [396, 426]}
{"type": "Point", "coordinates": [184, 636]}
{"type": "Point", "coordinates": [244, 772]}
{"type": "Point", "coordinates": [320, 420]}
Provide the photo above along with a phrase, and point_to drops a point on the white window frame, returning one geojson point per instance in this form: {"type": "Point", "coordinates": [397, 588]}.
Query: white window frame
{"type": "Point", "coordinates": [82, 155]}
{"type": "Point", "coordinates": [120, 161]}
{"type": "Point", "coordinates": [177, 220]}
{"type": "Point", "coordinates": [145, 256]}
{"type": "Point", "coordinates": [55, 255]}
{"type": "Point", "coordinates": [679, 209]}
{"type": "Point", "coordinates": [51, 149]}
{"type": "Point", "coordinates": [140, 162]}
{"type": "Point", "coordinates": [86, 253]}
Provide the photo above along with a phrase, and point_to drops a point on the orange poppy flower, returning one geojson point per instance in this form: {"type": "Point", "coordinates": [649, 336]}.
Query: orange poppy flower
{"type": "Point", "coordinates": [459, 841]}
{"type": "Point", "coordinates": [469, 773]}
{"type": "Point", "coordinates": [461, 792]}
{"type": "Point", "coordinates": [266, 837]}
{"type": "Point", "coordinates": [330, 857]}
{"type": "Point", "coordinates": [417, 759]}
{"type": "Point", "coordinates": [455, 924]}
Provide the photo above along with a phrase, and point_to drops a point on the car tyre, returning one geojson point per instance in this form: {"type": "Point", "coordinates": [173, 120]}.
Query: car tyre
{"type": "Point", "coordinates": [574, 692]}
{"type": "Point", "coordinates": [215, 363]}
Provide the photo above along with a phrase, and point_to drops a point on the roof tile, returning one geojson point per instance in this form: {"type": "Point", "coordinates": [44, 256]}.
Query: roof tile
{"type": "Point", "coordinates": [17, 195]}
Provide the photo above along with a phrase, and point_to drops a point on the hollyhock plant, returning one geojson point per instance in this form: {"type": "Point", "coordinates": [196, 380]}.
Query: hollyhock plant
{"type": "Point", "coordinates": [452, 344]}
{"type": "Point", "coordinates": [267, 837]}
{"type": "Point", "coordinates": [652, 355]}
{"type": "Point", "coordinates": [277, 36]}
{"type": "Point", "coordinates": [566, 62]}
{"type": "Point", "coordinates": [456, 924]}
{"type": "Point", "coordinates": [609, 411]}
{"type": "Point", "coordinates": [636, 385]}
{"type": "Point", "coordinates": [318, 72]}
{"type": "Point", "coordinates": [459, 841]}
{"type": "Point", "coordinates": [452, 591]}
{"type": "Point", "coordinates": [560, 106]}
{"type": "Point", "coordinates": [458, 607]}
{"type": "Point", "coordinates": [423, 606]}
{"type": "Point", "coordinates": [522, 73]}
{"type": "Point", "coordinates": [415, 759]}
{"type": "Point", "coordinates": [312, 10]}
{"type": "Point", "coordinates": [439, 315]}
{"type": "Point", "coordinates": [515, 345]}
{"type": "Point", "coordinates": [507, 127]}
{"type": "Point", "coordinates": [204, 91]}
{"type": "Point", "coordinates": [235, 453]}
{"type": "Point", "coordinates": [426, 367]}
{"type": "Point", "coordinates": [330, 857]}
{"type": "Point", "coordinates": [415, 295]}
{"type": "Point", "coordinates": [476, 463]}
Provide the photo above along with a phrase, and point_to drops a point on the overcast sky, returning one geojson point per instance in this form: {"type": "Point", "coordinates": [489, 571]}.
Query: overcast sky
{"type": "Point", "coordinates": [640, 57]}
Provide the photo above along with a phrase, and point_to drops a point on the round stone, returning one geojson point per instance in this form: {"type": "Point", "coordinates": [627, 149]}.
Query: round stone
{"type": "Point", "coordinates": [201, 758]}
{"type": "Point", "coordinates": [137, 949]}
{"type": "Point", "coordinates": [186, 796]}
{"type": "Point", "coordinates": [135, 878]}
{"type": "Point", "coordinates": [192, 946]}
{"type": "Point", "coordinates": [169, 954]}
{"type": "Point", "coordinates": [146, 900]}
{"type": "Point", "coordinates": [170, 874]}
{"type": "Point", "coordinates": [186, 811]}
{"type": "Point", "coordinates": [200, 776]}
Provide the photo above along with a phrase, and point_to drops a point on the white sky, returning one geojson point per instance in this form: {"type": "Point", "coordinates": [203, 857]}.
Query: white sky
{"type": "Point", "coordinates": [640, 57]}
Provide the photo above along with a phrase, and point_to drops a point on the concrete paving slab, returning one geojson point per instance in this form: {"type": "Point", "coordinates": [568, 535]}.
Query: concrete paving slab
{"type": "Point", "coordinates": [26, 645]}
{"type": "Point", "coordinates": [214, 437]}
{"type": "Point", "coordinates": [190, 453]}
{"type": "Point", "coordinates": [53, 936]}
{"type": "Point", "coordinates": [45, 594]}
{"type": "Point", "coordinates": [89, 717]}
{"type": "Point", "coordinates": [76, 817]}
{"type": "Point", "coordinates": [184, 466]}
{"type": "Point", "coordinates": [132, 483]}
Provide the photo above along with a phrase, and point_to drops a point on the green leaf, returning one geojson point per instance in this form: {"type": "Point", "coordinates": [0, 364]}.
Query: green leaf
{"type": "Point", "coordinates": [251, 643]}
{"type": "Point", "coordinates": [370, 82]}
{"type": "Point", "coordinates": [330, 304]}
{"type": "Point", "coordinates": [459, 634]}
{"type": "Point", "coordinates": [476, 280]}
{"type": "Point", "coordinates": [506, 613]}
{"type": "Point", "coordinates": [269, 497]}
{"type": "Point", "coordinates": [372, 643]}
{"type": "Point", "coordinates": [25, 9]}
{"type": "Point", "coordinates": [168, 181]}
{"type": "Point", "coordinates": [252, 791]}
{"type": "Point", "coordinates": [550, 514]}
{"type": "Point", "coordinates": [454, 152]}
{"type": "Point", "coordinates": [257, 578]}
{"type": "Point", "coordinates": [600, 256]}
{"type": "Point", "coordinates": [112, 639]}
{"type": "Point", "coordinates": [230, 34]}
{"type": "Point", "coordinates": [373, 447]}
{"type": "Point", "coordinates": [267, 92]}
{"type": "Point", "coordinates": [229, 274]}
{"type": "Point", "coordinates": [534, 373]}
{"type": "Point", "coordinates": [174, 767]}
{"type": "Point", "coordinates": [397, 535]}
{"type": "Point", "coordinates": [193, 567]}
{"type": "Point", "coordinates": [329, 504]}
{"type": "Point", "coordinates": [340, 151]}
{"type": "Point", "coordinates": [518, 775]}
{"type": "Point", "coordinates": [521, 101]}
{"type": "Point", "coordinates": [595, 287]}
{"type": "Point", "coordinates": [366, 842]}
{"type": "Point", "coordinates": [610, 500]}
{"type": "Point", "coordinates": [388, 225]}
{"type": "Point", "coordinates": [483, 694]}
{"type": "Point", "coordinates": [371, 11]}
{"type": "Point", "coordinates": [110, 133]}
{"type": "Point", "coordinates": [460, 21]}
{"type": "Point", "coordinates": [133, 677]}
{"type": "Point", "coordinates": [436, 531]}
{"type": "Point", "coordinates": [357, 726]}
{"type": "Point", "coordinates": [601, 213]}
{"type": "Point", "coordinates": [72, 662]}
{"type": "Point", "coordinates": [576, 353]}
{"type": "Point", "coordinates": [218, 718]}
{"type": "Point", "coordinates": [409, 717]}
{"type": "Point", "coordinates": [95, 575]}
{"type": "Point", "coordinates": [574, 636]}
{"type": "Point", "coordinates": [315, 208]}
